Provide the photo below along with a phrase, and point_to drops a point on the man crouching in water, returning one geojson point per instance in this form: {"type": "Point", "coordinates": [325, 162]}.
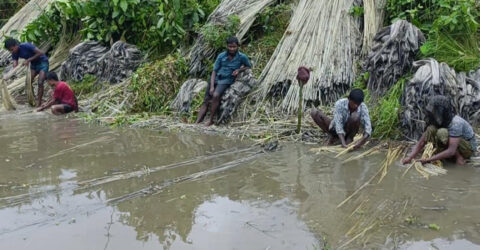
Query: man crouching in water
{"type": "Point", "coordinates": [451, 135]}
{"type": "Point", "coordinates": [63, 100]}
{"type": "Point", "coordinates": [348, 115]}
{"type": "Point", "coordinates": [227, 67]}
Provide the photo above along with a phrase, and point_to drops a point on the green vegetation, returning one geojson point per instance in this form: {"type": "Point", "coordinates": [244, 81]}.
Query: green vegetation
{"type": "Point", "coordinates": [356, 11]}
{"type": "Point", "coordinates": [150, 24]}
{"type": "Point", "coordinates": [385, 119]}
{"type": "Point", "coordinates": [361, 83]}
{"type": "Point", "coordinates": [8, 8]}
{"type": "Point", "coordinates": [156, 84]}
{"type": "Point", "coordinates": [85, 87]}
{"type": "Point", "coordinates": [452, 28]}
{"type": "Point", "coordinates": [266, 33]}
{"type": "Point", "coordinates": [216, 34]}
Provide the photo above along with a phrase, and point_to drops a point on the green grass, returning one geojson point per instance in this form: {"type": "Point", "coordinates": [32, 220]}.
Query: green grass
{"type": "Point", "coordinates": [85, 87]}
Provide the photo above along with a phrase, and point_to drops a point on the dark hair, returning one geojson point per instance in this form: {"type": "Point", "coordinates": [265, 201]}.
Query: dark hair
{"type": "Point", "coordinates": [10, 42]}
{"type": "Point", "coordinates": [233, 39]}
{"type": "Point", "coordinates": [439, 112]}
{"type": "Point", "coordinates": [52, 76]}
{"type": "Point", "coordinates": [357, 96]}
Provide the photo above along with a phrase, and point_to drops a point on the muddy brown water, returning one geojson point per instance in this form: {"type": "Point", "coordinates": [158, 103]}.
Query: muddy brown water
{"type": "Point", "coordinates": [65, 184]}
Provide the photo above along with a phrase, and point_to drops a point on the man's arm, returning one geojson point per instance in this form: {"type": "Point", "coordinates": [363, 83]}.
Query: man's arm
{"type": "Point", "coordinates": [367, 128]}
{"type": "Point", "coordinates": [37, 52]}
{"type": "Point", "coordinates": [416, 150]}
{"type": "Point", "coordinates": [46, 105]}
{"type": "Point", "coordinates": [245, 65]}
{"type": "Point", "coordinates": [453, 143]}
{"type": "Point", "coordinates": [15, 63]}
{"type": "Point", "coordinates": [338, 122]}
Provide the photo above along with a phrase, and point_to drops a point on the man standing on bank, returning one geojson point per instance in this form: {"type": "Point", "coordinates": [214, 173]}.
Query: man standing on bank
{"type": "Point", "coordinates": [348, 115]}
{"type": "Point", "coordinates": [37, 59]}
{"type": "Point", "coordinates": [227, 67]}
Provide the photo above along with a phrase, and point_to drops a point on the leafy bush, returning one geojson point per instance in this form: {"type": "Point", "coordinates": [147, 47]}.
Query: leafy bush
{"type": "Point", "coordinates": [150, 24]}
{"type": "Point", "coordinates": [452, 28]}
{"type": "Point", "coordinates": [87, 86]}
{"type": "Point", "coordinates": [216, 34]}
{"type": "Point", "coordinates": [155, 84]}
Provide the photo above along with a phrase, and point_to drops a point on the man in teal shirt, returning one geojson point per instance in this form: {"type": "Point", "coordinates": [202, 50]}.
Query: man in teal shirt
{"type": "Point", "coordinates": [227, 67]}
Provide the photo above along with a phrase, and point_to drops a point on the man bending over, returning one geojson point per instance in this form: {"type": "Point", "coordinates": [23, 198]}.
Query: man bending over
{"type": "Point", "coordinates": [348, 115]}
{"type": "Point", "coordinates": [63, 100]}
{"type": "Point", "coordinates": [37, 59]}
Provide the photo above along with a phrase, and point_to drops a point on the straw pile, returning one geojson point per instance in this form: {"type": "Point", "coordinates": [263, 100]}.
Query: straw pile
{"type": "Point", "coordinates": [246, 10]}
{"type": "Point", "coordinates": [373, 17]}
{"type": "Point", "coordinates": [92, 58]}
{"type": "Point", "coordinates": [187, 93]}
{"type": "Point", "coordinates": [323, 36]}
{"type": "Point", "coordinates": [24, 16]}
{"type": "Point", "coordinates": [433, 78]}
{"type": "Point", "coordinates": [392, 55]}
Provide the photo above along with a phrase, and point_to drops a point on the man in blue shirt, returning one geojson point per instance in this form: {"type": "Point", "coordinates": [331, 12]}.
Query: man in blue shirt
{"type": "Point", "coordinates": [37, 59]}
{"type": "Point", "coordinates": [227, 67]}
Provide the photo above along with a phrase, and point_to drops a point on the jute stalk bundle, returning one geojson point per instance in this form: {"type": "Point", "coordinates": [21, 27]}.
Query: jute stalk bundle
{"type": "Point", "coordinates": [6, 98]}
{"type": "Point", "coordinates": [373, 17]}
{"type": "Point", "coordinates": [24, 16]}
{"type": "Point", "coordinates": [392, 55]}
{"type": "Point", "coordinates": [29, 87]}
{"type": "Point", "coordinates": [246, 10]}
{"type": "Point", "coordinates": [323, 36]}
{"type": "Point", "coordinates": [433, 78]}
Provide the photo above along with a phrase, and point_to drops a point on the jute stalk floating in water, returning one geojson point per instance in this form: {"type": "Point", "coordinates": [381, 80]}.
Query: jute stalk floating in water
{"type": "Point", "coordinates": [366, 153]}
{"type": "Point", "coordinates": [29, 87]}
{"type": "Point", "coordinates": [392, 155]}
{"type": "Point", "coordinates": [323, 36]}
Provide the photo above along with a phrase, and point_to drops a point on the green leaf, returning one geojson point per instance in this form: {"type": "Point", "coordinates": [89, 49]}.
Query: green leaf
{"type": "Point", "coordinates": [115, 2]}
{"type": "Point", "coordinates": [124, 5]}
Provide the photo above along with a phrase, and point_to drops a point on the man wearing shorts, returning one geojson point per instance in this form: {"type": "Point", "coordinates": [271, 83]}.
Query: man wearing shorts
{"type": "Point", "coordinates": [63, 100]}
{"type": "Point", "coordinates": [37, 59]}
{"type": "Point", "coordinates": [227, 67]}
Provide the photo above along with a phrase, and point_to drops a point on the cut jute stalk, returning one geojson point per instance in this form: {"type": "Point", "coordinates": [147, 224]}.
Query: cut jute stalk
{"type": "Point", "coordinates": [366, 153]}
{"type": "Point", "coordinates": [6, 98]}
{"type": "Point", "coordinates": [29, 87]}
{"type": "Point", "coordinates": [392, 154]}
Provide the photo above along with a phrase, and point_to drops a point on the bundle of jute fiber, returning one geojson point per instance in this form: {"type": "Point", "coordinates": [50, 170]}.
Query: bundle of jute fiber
{"type": "Point", "coordinates": [24, 16]}
{"type": "Point", "coordinates": [432, 78]}
{"type": "Point", "coordinates": [189, 90]}
{"type": "Point", "coordinates": [5, 97]}
{"type": "Point", "coordinates": [82, 60]}
{"type": "Point", "coordinates": [234, 95]}
{"type": "Point", "coordinates": [245, 10]}
{"type": "Point", "coordinates": [374, 11]}
{"type": "Point", "coordinates": [324, 37]}
{"type": "Point", "coordinates": [29, 88]}
{"type": "Point", "coordinates": [392, 55]}
{"type": "Point", "coordinates": [118, 63]}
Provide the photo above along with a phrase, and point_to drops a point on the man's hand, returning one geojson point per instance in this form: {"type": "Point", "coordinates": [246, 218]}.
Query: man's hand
{"type": "Point", "coordinates": [235, 73]}
{"type": "Point", "coordinates": [407, 160]}
{"type": "Point", "coordinates": [212, 90]}
{"type": "Point", "coordinates": [26, 62]}
{"type": "Point", "coordinates": [424, 161]}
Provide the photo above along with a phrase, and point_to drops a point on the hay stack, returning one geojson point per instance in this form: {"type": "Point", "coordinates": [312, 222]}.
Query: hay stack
{"type": "Point", "coordinates": [392, 55]}
{"type": "Point", "coordinates": [24, 16]}
{"type": "Point", "coordinates": [323, 36]}
{"type": "Point", "coordinates": [92, 58]}
{"type": "Point", "coordinates": [246, 10]}
{"type": "Point", "coordinates": [374, 11]}
{"type": "Point", "coordinates": [187, 93]}
{"type": "Point", "coordinates": [433, 78]}
{"type": "Point", "coordinates": [234, 95]}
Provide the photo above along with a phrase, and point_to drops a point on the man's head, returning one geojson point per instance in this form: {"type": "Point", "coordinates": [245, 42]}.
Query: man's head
{"type": "Point", "coordinates": [52, 78]}
{"type": "Point", "coordinates": [439, 112]}
{"type": "Point", "coordinates": [355, 99]}
{"type": "Point", "coordinates": [11, 45]}
{"type": "Point", "coordinates": [232, 45]}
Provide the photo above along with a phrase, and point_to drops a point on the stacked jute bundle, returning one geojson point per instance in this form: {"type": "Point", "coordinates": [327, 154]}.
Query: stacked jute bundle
{"type": "Point", "coordinates": [374, 11]}
{"type": "Point", "coordinates": [187, 93]}
{"type": "Point", "coordinates": [392, 55]}
{"type": "Point", "coordinates": [82, 60]}
{"type": "Point", "coordinates": [234, 95]}
{"type": "Point", "coordinates": [433, 78]}
{"type": "Point", "coordinates": [24, 16]}
{"type": "Point", "coordinates": [119, 62]}
{"type": "Point", "coordinates": [246, 10]}
{"type": "Point", "coordinates": [324, 37]}
{"type": "Point", "coordinates": [109, 65]}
